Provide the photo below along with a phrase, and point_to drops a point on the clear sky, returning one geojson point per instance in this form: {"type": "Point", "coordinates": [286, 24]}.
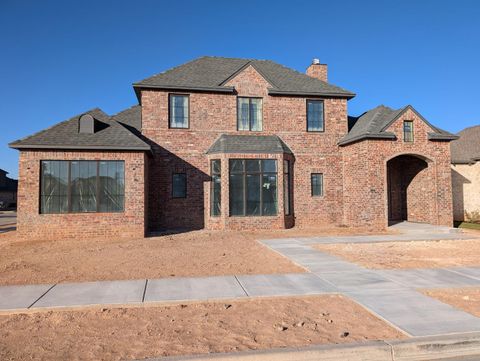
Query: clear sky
{"type": "Point", "coordinates": [60, 58]}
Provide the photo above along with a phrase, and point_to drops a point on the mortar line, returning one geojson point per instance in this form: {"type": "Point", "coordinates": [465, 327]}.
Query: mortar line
{"type": "Point", "coordinates": [38, 299]}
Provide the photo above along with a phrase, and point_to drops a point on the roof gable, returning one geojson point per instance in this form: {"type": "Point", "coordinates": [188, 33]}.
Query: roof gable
{"type": "Point", "coordinates": [374, 124]}
{"type": "Point", "coordinates": [245, 68]}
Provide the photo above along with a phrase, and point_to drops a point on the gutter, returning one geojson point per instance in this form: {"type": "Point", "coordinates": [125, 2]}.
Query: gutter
{"type": "Point", "coordinates": [77, 147]}
{"type": "Point", "coordinates": [367, 136]}
{"type": "Point", "coordinates": [317, 94]}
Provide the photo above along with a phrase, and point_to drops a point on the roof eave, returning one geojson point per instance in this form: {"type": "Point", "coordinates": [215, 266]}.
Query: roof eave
{"type": "Point", "coordinates": [318, 94]}
{"type": "Point", "coordinates": [445, 137]}
{"type": "Point", "coordinates": [222, 89]}
{"type": "Point", "coordinates": [367, 136]}
{"type": "Point", "coordinates": [77, 147]}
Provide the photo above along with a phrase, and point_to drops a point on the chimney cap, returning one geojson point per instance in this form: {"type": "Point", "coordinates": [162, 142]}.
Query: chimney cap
{"type": "Point", "coordinates": [316, 61]}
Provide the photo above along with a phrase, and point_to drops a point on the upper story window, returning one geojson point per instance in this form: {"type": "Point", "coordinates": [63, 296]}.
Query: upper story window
{"type": "Point", "coordinates": [315, 122]}
{"type": "Point", "coordinates": [80, 186]}
{"type": "Point", "coordinates": [408, 131]}
{"type": "Point", "coordinates": [249, 114]}
{"type": "Point", "coordinates": [179, 111]}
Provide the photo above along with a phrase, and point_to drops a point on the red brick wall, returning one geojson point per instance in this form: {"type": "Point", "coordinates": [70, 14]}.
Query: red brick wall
{"type": "Point", "coordinates": [214, 114]}
{"type": "Point", "coordinates": [32, 224]}
{"type": "Point", "coordinates": [366, 177]}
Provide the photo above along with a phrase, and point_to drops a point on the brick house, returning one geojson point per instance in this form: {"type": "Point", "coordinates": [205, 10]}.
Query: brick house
{"type": "Point", "coordinates": [227, 143]}
{"type": "Point", "coordinates": [466, 175]}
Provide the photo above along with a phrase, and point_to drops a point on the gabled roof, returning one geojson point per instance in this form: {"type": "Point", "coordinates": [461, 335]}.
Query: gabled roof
{"type": "Point", "coordinates": [466, 149]}
{"type": "Point", "coordinates": [374, 123]}
{"type": "Point", "coordinates": [249, 144]}
{"type": "Point", "coordinates": [211, 74]}
{"type": "Point", "coordinates": [110, 135]}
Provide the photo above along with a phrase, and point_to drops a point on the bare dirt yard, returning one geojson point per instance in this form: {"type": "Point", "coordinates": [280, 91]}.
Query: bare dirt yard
{"type": "Point", "coordinates": [417, 254]}
{"type": "Point", "coordinates": [466, 299]}
{"type": "Point", "coordinates": [190, 254]}
{"type": "Point", "coordinates": [136, 333]}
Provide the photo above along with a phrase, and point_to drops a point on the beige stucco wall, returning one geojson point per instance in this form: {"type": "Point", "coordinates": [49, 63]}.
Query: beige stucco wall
{"type": "Point", "coordinates": [466, 189]}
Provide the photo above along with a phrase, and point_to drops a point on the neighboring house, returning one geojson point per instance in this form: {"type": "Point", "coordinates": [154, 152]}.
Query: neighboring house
{"type": "Point", "coordinates": [228, 143]}
{"type": "Point", "coordinates": [466, 175]}
{"type": "Point", "coordinates": [8, 191]}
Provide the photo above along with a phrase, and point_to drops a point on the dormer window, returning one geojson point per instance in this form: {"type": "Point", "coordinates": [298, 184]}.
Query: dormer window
{"type": "Point", "coordinates": [408, 131]}
{"type": "Point", "coordinates": [179, 111]}
{"type": "Point", "coordinates": [249, 114]}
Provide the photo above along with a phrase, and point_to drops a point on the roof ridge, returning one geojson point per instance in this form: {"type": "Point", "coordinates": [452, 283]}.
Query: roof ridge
{"type": "Point", "coordinates": [170, 69]}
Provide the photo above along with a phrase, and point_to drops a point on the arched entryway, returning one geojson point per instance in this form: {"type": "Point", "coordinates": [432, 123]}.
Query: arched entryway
{"type": "Point", "coordinates": [411, 189]}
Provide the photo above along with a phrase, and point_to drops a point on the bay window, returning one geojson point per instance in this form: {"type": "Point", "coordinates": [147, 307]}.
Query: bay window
{"type": "Point", "coordinates": [253, 187]}
{"type": "Point", "coordinates": [215, 188]}
{"type": "Point", "coordinates": [286, 186]}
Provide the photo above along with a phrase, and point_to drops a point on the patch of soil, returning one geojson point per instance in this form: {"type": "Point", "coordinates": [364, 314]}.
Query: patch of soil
{"type": "Point", "coordinates": [466, 299]}
{"type": "Point", "coordinates": [135, 333]}
{"type": "Point", "coordinates": [415, 254]}
{"type": "Point", "coordinates": [189, 254]}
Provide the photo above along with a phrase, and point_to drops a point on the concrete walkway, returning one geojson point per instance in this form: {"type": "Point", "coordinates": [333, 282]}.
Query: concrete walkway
{"type": "Point", "coordinates": [390, 294]}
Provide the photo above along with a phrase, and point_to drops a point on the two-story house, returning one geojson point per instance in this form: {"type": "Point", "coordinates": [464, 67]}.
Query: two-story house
{"type": "Point", "coordinates": [227, 143]}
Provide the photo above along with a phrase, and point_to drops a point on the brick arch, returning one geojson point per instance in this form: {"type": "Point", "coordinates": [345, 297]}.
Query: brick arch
{"type": "Point", "coordinates": [411, 188]}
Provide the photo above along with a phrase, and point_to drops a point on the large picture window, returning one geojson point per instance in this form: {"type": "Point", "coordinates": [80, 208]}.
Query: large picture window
{"type": "Point", "coordinates": [249, 114]}
{"type": "Point", "coordinates": [179, 111]}
{"type": "Point", "coordinates": [315, 121]}
{"type": "Point", "coordinates": [80, 186]}
{"type": "Point", "coordinates": [253, 187]}
{"type": "Point", "coordinates": [216, 188]}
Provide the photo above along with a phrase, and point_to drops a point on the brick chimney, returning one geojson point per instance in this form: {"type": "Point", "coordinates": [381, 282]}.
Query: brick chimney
{"type": "Point", "coordinates": [317, 70]}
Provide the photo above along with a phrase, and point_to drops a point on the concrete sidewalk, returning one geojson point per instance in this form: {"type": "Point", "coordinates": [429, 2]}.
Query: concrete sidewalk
{"type": "Point", "coordinates": [390, 294]}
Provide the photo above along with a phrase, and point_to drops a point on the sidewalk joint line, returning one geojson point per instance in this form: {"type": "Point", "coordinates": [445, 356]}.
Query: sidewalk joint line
{"type": "Point", "coordinates": [144, 291]}
{"type": "Point", "coordinates": [240, 283]}
{"type": "Point", "coordinates": [38, 299]}
{"type": "Point", "coordinates": [392, 350]}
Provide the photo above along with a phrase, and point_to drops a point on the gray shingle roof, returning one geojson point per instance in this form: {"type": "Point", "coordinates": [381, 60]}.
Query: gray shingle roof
{"type": "Point", "coordinates": [211, 73]}
{"type": "Point", "coordinates": [466, 149]}
{"type": "Point", "coordinates": [111, 135]}
{"type": "Point", "coordinates": [131, 117]}
{"type": "Point", "coordinates": [373, 125]}
{"type": "Point", "coordinates": [250, 144]}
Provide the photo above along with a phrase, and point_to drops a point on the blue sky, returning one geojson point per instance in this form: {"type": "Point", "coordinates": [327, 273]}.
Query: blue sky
{"type": "Point", "coordinates": [60, 58]}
